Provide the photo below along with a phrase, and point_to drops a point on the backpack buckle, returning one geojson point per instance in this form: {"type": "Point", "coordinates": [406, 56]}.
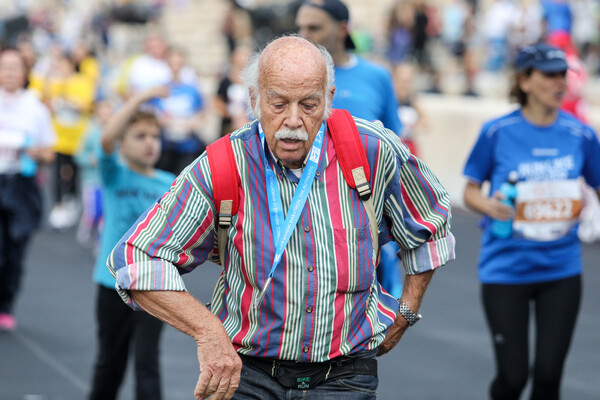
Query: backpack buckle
{"type": "Point", "coordinates": [225, 213]}
{"type": "Point", "coordinates": [362, 184]}
{"type": "Point", "coordinates": [364, 191]}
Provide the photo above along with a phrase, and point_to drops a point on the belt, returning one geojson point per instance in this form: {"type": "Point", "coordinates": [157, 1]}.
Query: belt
{"type": "Point", "coordinates": [305, 376]}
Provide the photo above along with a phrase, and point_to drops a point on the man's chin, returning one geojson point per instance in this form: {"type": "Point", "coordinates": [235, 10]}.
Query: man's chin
{"type": "Point", "coordinates": [292, 160]}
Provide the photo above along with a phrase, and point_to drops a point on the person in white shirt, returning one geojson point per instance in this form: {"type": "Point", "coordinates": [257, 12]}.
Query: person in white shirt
{"type": "Point", "coordinates": [26, 139]}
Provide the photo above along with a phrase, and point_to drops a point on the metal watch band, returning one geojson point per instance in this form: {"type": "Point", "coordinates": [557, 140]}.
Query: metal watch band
{"type": "Point", "coordinates": [407, 313]}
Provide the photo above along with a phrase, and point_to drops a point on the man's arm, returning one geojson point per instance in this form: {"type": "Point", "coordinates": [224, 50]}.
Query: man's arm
{"type": "Point", "coordinates": [412, 295]}
{"type": "Point", "coordinates": [147, 264]}
{"type": "Point", "coordinates": [219, 363]}
{"type": "Point", "coordinates": [423, 234]}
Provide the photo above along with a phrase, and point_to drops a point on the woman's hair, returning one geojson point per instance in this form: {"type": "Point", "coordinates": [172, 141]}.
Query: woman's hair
{"type": "Point", "coordinates": [516, 94]}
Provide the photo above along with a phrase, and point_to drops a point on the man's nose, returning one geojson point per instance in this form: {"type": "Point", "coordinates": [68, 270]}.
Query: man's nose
{"type": "Point", "coordinates": [293, 120]}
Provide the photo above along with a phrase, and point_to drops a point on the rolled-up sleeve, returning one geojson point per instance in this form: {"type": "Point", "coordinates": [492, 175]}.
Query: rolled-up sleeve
{"type": "Point", "coordinates": [420, 212]}
{"type": "Point", "coordinates": [171, 238]}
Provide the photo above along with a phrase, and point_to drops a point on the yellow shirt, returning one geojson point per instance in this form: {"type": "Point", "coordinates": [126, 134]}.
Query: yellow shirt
{"type": "Point", "coordinates": [70, 100]}
{"type": "Point", "coordinates": [90, 67]}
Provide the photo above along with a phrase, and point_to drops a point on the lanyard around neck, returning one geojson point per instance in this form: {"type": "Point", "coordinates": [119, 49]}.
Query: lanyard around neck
{"type": "Point", "coordinates": [281, 227]}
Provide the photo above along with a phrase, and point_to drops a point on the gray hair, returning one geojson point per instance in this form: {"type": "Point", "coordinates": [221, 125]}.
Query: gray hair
{"type": "Point", "coordinates": [250, 76]}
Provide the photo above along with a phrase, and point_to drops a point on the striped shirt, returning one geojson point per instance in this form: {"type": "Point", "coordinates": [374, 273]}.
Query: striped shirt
{"type": "Point", "coordinates": [325, 300]}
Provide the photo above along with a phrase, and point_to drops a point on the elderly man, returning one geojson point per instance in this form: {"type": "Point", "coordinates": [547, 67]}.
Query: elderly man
{"type": "Point", "coordinates": [363, 88]}
{"type": "Point", "coordinates": [317, 327]}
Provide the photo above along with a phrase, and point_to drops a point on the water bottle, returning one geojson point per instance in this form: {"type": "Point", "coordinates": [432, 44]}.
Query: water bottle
{"type": "Point", "coordinates": [503, 229]}
{"type": "Point", "coordinates": [28, 164]}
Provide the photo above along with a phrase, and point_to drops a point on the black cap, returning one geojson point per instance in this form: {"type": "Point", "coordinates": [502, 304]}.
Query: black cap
{"type": "Point", "coordinates": [337, 10]}
{"type": "Point", "coordinates": [542, 57]}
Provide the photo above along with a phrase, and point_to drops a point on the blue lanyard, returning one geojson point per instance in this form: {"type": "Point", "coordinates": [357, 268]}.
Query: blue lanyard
{"type": "Point", "coordinates": [281, 227]}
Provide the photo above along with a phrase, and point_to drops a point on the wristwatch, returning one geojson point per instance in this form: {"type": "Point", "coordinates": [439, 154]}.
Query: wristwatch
{"type": "Point", "coordinates": [407, 313]}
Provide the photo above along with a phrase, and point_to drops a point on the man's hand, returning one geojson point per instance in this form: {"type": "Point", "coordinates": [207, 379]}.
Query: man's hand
{"type": "Point", "coordinates": [393, 336]}
{"type": "Point", "coordinates": [412, 295]}
{"type": "Point", "coordinates": [219, 363]}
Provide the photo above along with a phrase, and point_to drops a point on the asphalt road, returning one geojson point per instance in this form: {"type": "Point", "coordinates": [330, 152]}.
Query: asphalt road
{"type": "Point", "coordinates": [446, 356]}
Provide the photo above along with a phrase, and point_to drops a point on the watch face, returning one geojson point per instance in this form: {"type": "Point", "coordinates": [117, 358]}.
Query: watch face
{"type": "Point", "coordinates": [407, 313]}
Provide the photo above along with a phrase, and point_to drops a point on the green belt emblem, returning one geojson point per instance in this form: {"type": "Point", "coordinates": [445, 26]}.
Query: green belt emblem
{"type": "Point", "coordinates": [303, 383]}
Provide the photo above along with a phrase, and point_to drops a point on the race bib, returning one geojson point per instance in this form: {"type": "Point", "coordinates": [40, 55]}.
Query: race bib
{"type": "Point", "coordinates": [546, 210]}
{"type": "Point", "coordinates": [11, 144]}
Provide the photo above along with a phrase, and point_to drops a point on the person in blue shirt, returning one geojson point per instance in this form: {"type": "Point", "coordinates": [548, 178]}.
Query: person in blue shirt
{"type": "Point", "coordinates": [363, 88]}
{"type": "Point", "coordinates": [558, 18]}
{"type": "Point", "coordinates": [86, 158]}
{"type": "Point", "coordinates": [130, 184]}
{"type": "Point", "coordinates": [540, 263]}
{"type": "Point", "coordinates": [180, 114]}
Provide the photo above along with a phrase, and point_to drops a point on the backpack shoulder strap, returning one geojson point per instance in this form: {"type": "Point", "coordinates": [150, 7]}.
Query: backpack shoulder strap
{"type": "Point", "coordinates": [350, 151]}
{"type": "Point", "coordinates": [225, 180]}
{"type": "Point", "coordinates": [355, 166]}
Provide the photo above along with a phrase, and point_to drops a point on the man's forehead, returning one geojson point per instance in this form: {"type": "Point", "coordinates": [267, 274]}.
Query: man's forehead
{"type": "Point", "coordinates": [285, 94]}
{"type": "Point", "coordinates": [298, 75]}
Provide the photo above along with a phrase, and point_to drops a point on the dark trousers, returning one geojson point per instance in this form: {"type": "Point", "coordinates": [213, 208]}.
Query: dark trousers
{"type": "Point", "coordinates": [12, 254]}
{"type": "Point", "coordinates": [507, 307]}
{"type": "Point", "coordinates": [119, 327]}
{"type": "Point", "coordinates": [66, 176]}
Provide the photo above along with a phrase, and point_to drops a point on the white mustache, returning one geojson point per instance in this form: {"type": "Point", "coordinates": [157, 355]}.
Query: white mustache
{"type": "Point", "coordinates": [292, 134]}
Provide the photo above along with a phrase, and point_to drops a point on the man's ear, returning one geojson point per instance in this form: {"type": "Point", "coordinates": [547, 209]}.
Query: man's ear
{"type": "Point", "coordinates": [331, 94]}
{"type": "Point", "coordinates": [252, 95]}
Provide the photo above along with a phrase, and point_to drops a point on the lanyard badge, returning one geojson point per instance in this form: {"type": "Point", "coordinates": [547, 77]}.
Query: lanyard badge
{"type": "Point", "coordinates": [281, 227]}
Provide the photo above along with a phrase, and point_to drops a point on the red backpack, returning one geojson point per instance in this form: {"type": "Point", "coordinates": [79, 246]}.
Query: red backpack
{"type": "Point", "coordinates": [351, 157]}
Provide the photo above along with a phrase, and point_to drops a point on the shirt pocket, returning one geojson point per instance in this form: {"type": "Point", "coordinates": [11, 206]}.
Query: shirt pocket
{"type": "Point", "coordinates": [354, 259]}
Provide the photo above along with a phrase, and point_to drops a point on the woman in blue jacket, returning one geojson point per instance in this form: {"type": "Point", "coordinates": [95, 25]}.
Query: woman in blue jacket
{"type": "Point", "coordinates": [539, 263]}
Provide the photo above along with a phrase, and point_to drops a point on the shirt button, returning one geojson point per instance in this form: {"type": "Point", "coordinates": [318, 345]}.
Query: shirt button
{"type": "Point", "coordinates": [307, 228]}
{"type": "Point", "coordinates": [305, 349]}
{"type": "Point", "coordinates": [318, 173]}
{"type": "Point", "coordinates": [309, 309]}
{"type": "Point", "coordinates": [310, 268]}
